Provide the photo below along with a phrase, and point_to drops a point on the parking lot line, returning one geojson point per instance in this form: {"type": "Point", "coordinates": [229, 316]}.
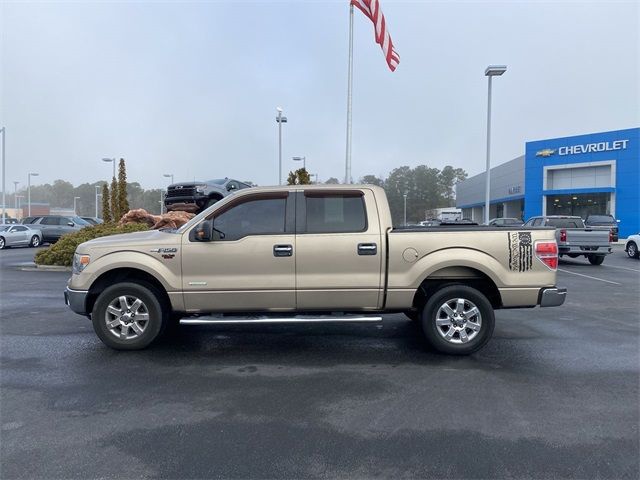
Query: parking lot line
{"type": "Point", "coordinates": [623, 268]}
{"type": "Point", "coordinates": [589, 276]}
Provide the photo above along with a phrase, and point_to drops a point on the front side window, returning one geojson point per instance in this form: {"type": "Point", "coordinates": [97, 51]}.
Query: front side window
{"type": "Point", "coordinates": [19, 229]}
{"type": "Point", "coordinates": [50, 221]}
{"type": "Point", "coordinates": [255, 217]}
{"type": "Point", "coordinates": [335, 213]}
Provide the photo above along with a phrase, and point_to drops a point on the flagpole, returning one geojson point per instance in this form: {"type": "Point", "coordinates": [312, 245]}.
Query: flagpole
{"type": "Point", "coordinates": [347, 167]}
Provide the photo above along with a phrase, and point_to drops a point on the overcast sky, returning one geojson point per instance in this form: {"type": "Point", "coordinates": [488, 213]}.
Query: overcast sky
{"type": "Point", "coordinates": [192, 88]}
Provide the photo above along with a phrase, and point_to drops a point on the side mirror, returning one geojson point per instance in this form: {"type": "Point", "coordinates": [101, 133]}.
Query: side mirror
{"type": "Point", "coordinates": [203, 231]}
{"type": "Point", "coordinates": [71, 224]}
{"type": "Point", "coordinates": [231, 186]}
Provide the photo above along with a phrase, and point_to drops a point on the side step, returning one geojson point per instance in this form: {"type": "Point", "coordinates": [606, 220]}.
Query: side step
{"type": "Point", "coordinates": [253, 319]}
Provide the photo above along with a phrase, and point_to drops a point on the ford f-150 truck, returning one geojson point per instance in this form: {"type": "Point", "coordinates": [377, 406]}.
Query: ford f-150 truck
{"type": "Point", "coordinates": [311, 254]}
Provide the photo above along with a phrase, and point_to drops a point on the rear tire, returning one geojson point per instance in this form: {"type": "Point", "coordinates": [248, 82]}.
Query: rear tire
{"type": "Point", "coordinates": [458, 320]}
{"type": "Point", "coordinates": [114, 323]}
{"type": "Point", "coordinates": [595, 259]}
{"type": "Point", "coordinates": [35, 241]}
{"type": "Point", "coordinates": [632, 250]}
{"type": "Point", "coordinates": [2, 243]}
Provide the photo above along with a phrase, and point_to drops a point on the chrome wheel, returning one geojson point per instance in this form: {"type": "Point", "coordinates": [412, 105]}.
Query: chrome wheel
{"type": "Point", "coordinates": [458, 320]}
{"type": "Point", "coordinates": [1, 243]}
{"type": "Point", "coordinates": [35, 241]}
{"type": "Point", "coordinates": [126, 317]}
{"type": "Point", "coordinates": [632, 250]}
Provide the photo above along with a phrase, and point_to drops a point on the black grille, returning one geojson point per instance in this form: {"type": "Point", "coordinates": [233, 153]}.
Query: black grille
{"type": "Point", "coordinates": [181, 192]}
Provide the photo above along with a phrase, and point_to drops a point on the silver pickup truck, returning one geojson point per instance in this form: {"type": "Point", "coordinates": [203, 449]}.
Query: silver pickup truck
{"type": "Point", "coordinates": [311, 254]}
{"type": "Point", "coordinates": [575, 239]}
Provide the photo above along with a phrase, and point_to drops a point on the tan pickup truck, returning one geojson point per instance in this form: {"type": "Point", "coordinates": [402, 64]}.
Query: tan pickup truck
{"type": "Point", "coordinates": [311, 254]}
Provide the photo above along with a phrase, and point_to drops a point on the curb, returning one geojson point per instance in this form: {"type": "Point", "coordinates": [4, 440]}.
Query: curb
{"type": "Point", "coordinates": [32, 267]}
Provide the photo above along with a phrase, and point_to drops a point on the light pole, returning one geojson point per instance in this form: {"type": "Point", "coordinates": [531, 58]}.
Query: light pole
{"type": "Point", "coordinates": [18, 197]}
{"type": "Point", "coordinates": [491, 71]}
{"type": "Point", "coordinates": [4, 207]}
{"type": "Point", "coordinates": [303, 159]}
{"type": "Point", "coordinates": [405, 207]}
{"type": "Point", "coordinates": [15, 192]}
{"type": "Point", "coordinates": [74, 205]}
{"type": "Point", "coordinates": [167, 175]}
{"type": "Point", "coordinates": [280, 120]}
{"type": "Point", "coordinates": [97, 195]}
{"type": "Point", "coordinates": [29, 192]}
{"type": "Point", "coordinates": [113, 160]}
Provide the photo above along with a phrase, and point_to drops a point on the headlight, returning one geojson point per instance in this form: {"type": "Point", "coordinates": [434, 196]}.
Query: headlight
{"type": "Point", "coordinates": [200, 188]}
{"type": "Point", "coordinates": [80, 262]}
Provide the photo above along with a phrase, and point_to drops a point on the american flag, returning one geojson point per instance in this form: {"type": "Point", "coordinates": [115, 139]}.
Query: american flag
{"type": "Point", "coordinates": [371, 8]}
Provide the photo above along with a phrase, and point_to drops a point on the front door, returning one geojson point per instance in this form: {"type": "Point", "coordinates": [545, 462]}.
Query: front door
{"type": "Point", "coordinates": [249, 265]}
{"type": "Point", "coordinates": [338, 251]}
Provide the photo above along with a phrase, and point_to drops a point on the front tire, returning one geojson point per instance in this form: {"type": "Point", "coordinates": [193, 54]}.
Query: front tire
{"type": "Point", "coordinates": [458, 320]}
{"type": "Point", "coordinates": [2, 243]}
{"type": "Point", "coordinates": [35, 241]}
{"type": "Point", "coordinates": [595, 259]}
{"type": "Point", "coordinates": [128, 316]}
{"type": "Point", "coordinates": [632, 250]}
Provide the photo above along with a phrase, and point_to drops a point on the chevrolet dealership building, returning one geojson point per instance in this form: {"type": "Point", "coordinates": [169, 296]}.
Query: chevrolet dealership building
{"type": "Point", "coordinates": [598, 173]}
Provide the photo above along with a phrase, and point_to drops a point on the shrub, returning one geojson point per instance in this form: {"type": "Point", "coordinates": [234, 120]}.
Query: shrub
{"type": "Point", "coordinates": [61, 252]}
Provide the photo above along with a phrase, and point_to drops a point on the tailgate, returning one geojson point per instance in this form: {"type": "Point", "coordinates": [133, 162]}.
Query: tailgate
{"type": "Point", "coordinates": [588, 237]}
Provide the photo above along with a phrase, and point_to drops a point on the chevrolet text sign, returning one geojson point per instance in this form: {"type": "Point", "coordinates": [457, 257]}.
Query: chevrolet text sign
{"type": "Point", "coordinates": [594, 147]}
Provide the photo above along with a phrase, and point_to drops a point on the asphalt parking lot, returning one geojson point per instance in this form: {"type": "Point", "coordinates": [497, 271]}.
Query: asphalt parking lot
{"type": "Point", "coordinates": [553, 395]}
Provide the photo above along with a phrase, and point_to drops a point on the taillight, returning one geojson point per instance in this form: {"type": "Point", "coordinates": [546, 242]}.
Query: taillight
{"type": "Point", "coordinates": [611, 235]}
{"type": "Point", "coordinates": [563, 235]}
{"type": "Point", "coordinates": [547, 252]}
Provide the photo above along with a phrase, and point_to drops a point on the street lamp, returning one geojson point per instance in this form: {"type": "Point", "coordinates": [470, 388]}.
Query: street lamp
{"type": "Point", "coordinates": [74, 205]}
{"type": "Point", "coordinates": [15, 192]}
{"type": "Point", "coordinates": [4, 207]}
{"type": "Point", "coordinates": [280, 120]}
{"type": "Point", "coordinates": [405, 206]}
{"type": "Point", "coordinates": [491, 71]}
{"type": "Point", "coordinates": [97, 195]}
{"type": "Point", "coordinates": [167, 175]}
{"type": "Point", "coordinates": [29, 191]}
{"type": "Point", "coordinates": [303, 159]}
{"type": "Point", "coordinates": [113, 160]}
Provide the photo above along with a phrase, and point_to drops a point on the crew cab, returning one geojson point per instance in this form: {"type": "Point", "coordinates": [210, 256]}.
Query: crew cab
{"type": "Point", "coordinates": [575, 239]}
{"type": "Point", "coordinates": [311, 254]}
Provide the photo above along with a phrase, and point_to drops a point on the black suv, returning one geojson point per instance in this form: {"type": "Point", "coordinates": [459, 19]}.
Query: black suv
{"type": "Point", "coordinates": [54, 226]}
{"type": "Point", "coordinates": [196, 196]}
{"type": "Point", "coordinates": [603, 221]}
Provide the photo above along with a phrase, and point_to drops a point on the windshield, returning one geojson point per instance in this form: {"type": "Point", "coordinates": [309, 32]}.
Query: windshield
{"type": "Point", "coordinates": [4, 228]}
{"type": "Point", "coordinates": [565, 222]}
{"type": "Point", "coordinates": [80, 221]}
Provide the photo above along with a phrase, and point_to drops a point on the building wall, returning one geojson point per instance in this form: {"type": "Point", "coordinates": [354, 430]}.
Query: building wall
{"type": "Point", "coordinates": [607, 162]}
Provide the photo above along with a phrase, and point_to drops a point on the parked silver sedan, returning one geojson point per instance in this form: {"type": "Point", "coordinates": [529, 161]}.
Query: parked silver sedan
{"type": "Point", "coordinates": [19, 235]}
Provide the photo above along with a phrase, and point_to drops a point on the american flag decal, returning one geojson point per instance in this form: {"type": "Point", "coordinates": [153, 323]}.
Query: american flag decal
{"type": "Point", "coordinates": [371, 8]}
{"type": "Point", "coordinates": [520, 251]}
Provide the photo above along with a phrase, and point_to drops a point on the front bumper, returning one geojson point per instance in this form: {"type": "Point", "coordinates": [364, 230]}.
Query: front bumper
{"type": "Point", "coordinates": [552, 297]}
{"type": "Point", "coordinates": [76, 300]}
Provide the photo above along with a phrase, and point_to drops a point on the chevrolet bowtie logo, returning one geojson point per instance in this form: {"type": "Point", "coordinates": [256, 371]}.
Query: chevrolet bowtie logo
{"type": "Point", "coordinates": [547, 152]}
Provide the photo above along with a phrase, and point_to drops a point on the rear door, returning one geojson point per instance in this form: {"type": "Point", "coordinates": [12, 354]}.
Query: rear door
{"type": "Point", "coordinates": [338, 243]}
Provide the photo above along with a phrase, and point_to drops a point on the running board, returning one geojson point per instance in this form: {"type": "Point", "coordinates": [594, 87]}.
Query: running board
{"type": "Point", "coordinates": [226, 320]}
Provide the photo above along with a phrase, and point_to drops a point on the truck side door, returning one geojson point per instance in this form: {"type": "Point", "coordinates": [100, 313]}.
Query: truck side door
{"type": "Point", "coordinates": [338, 250]}
{"type": "Point", "coordinates": [249, 265]}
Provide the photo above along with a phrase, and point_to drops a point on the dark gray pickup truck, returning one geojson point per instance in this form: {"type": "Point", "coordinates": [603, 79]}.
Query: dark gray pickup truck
{"type": "Point", "coordinates": [574, 239]}
{"type": "Point", "coordinates": [194, 197]}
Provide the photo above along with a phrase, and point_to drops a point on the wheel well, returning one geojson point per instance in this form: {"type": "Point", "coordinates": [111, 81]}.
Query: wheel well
{"type": "Point", "coordinates": [215, 196]}
{"type": "Point", "coordinates": [125, 275]}
{"type": "Point", "coordinates": [464, 276]}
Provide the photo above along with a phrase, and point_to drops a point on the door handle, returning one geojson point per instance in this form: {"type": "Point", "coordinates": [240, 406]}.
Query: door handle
{"type": "Point", "coordinates": [367, 249]}
{"type": "Point", "coordinates": [282, 250]}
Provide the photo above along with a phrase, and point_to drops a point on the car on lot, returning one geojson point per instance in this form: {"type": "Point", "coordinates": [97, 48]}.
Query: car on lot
{"type": "Point", "coordinates": [194, 197]}
{"type": "Point", "coordinates": [93, 220]}
{"type": "Point", "coordinates": [505, 222]}
{"type": "Point", "coordinates": [16, 235]}
{"type": "Point", "coordinates": [311, 254]}
{"type": "Point", "coordinates": [603, 222]}
{"type": "Point", "coordinates": [631, 247]}
{"type": "Point", "coordinates": [574, 239]}
{"type": "Point", "coordinates": [54, 226]}
{"type": "Point", "coordinates": [11, 221]}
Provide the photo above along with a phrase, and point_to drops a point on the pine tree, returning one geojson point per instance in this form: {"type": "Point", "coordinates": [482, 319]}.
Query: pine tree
{"type": "Point", "coordinates": [299, 177]}
{"type": "Point", "coordinates": [106, 209]}
{"type": "Point", "coordinates": [123, 204]}
{"type": "Point", "coordinates": [113, 198]}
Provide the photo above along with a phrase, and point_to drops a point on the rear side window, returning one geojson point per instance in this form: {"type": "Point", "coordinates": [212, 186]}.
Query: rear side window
{"type": "Point", "coordinates": [50, 221]}
{"type": "Point", "coordinates": [335, 214]}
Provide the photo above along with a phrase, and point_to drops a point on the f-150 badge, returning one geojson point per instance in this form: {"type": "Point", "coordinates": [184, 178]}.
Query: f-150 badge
{"type": "Point", "coordinates": [167, 253]}
{"type": "Point", "coordinates": [520, 251]}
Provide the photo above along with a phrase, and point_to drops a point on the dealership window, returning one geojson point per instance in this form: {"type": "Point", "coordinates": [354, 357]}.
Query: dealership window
{"type": "Point", "coordinates": [581, 204]}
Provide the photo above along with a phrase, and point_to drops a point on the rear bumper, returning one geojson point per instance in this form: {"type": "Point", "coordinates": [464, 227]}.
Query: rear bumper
{"type": "Point", "coordinates": [76, 300]}
{"type": "Point", "coordinates": [552, 297]}
{"type": "Point", "coordinates": [584, 250]}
